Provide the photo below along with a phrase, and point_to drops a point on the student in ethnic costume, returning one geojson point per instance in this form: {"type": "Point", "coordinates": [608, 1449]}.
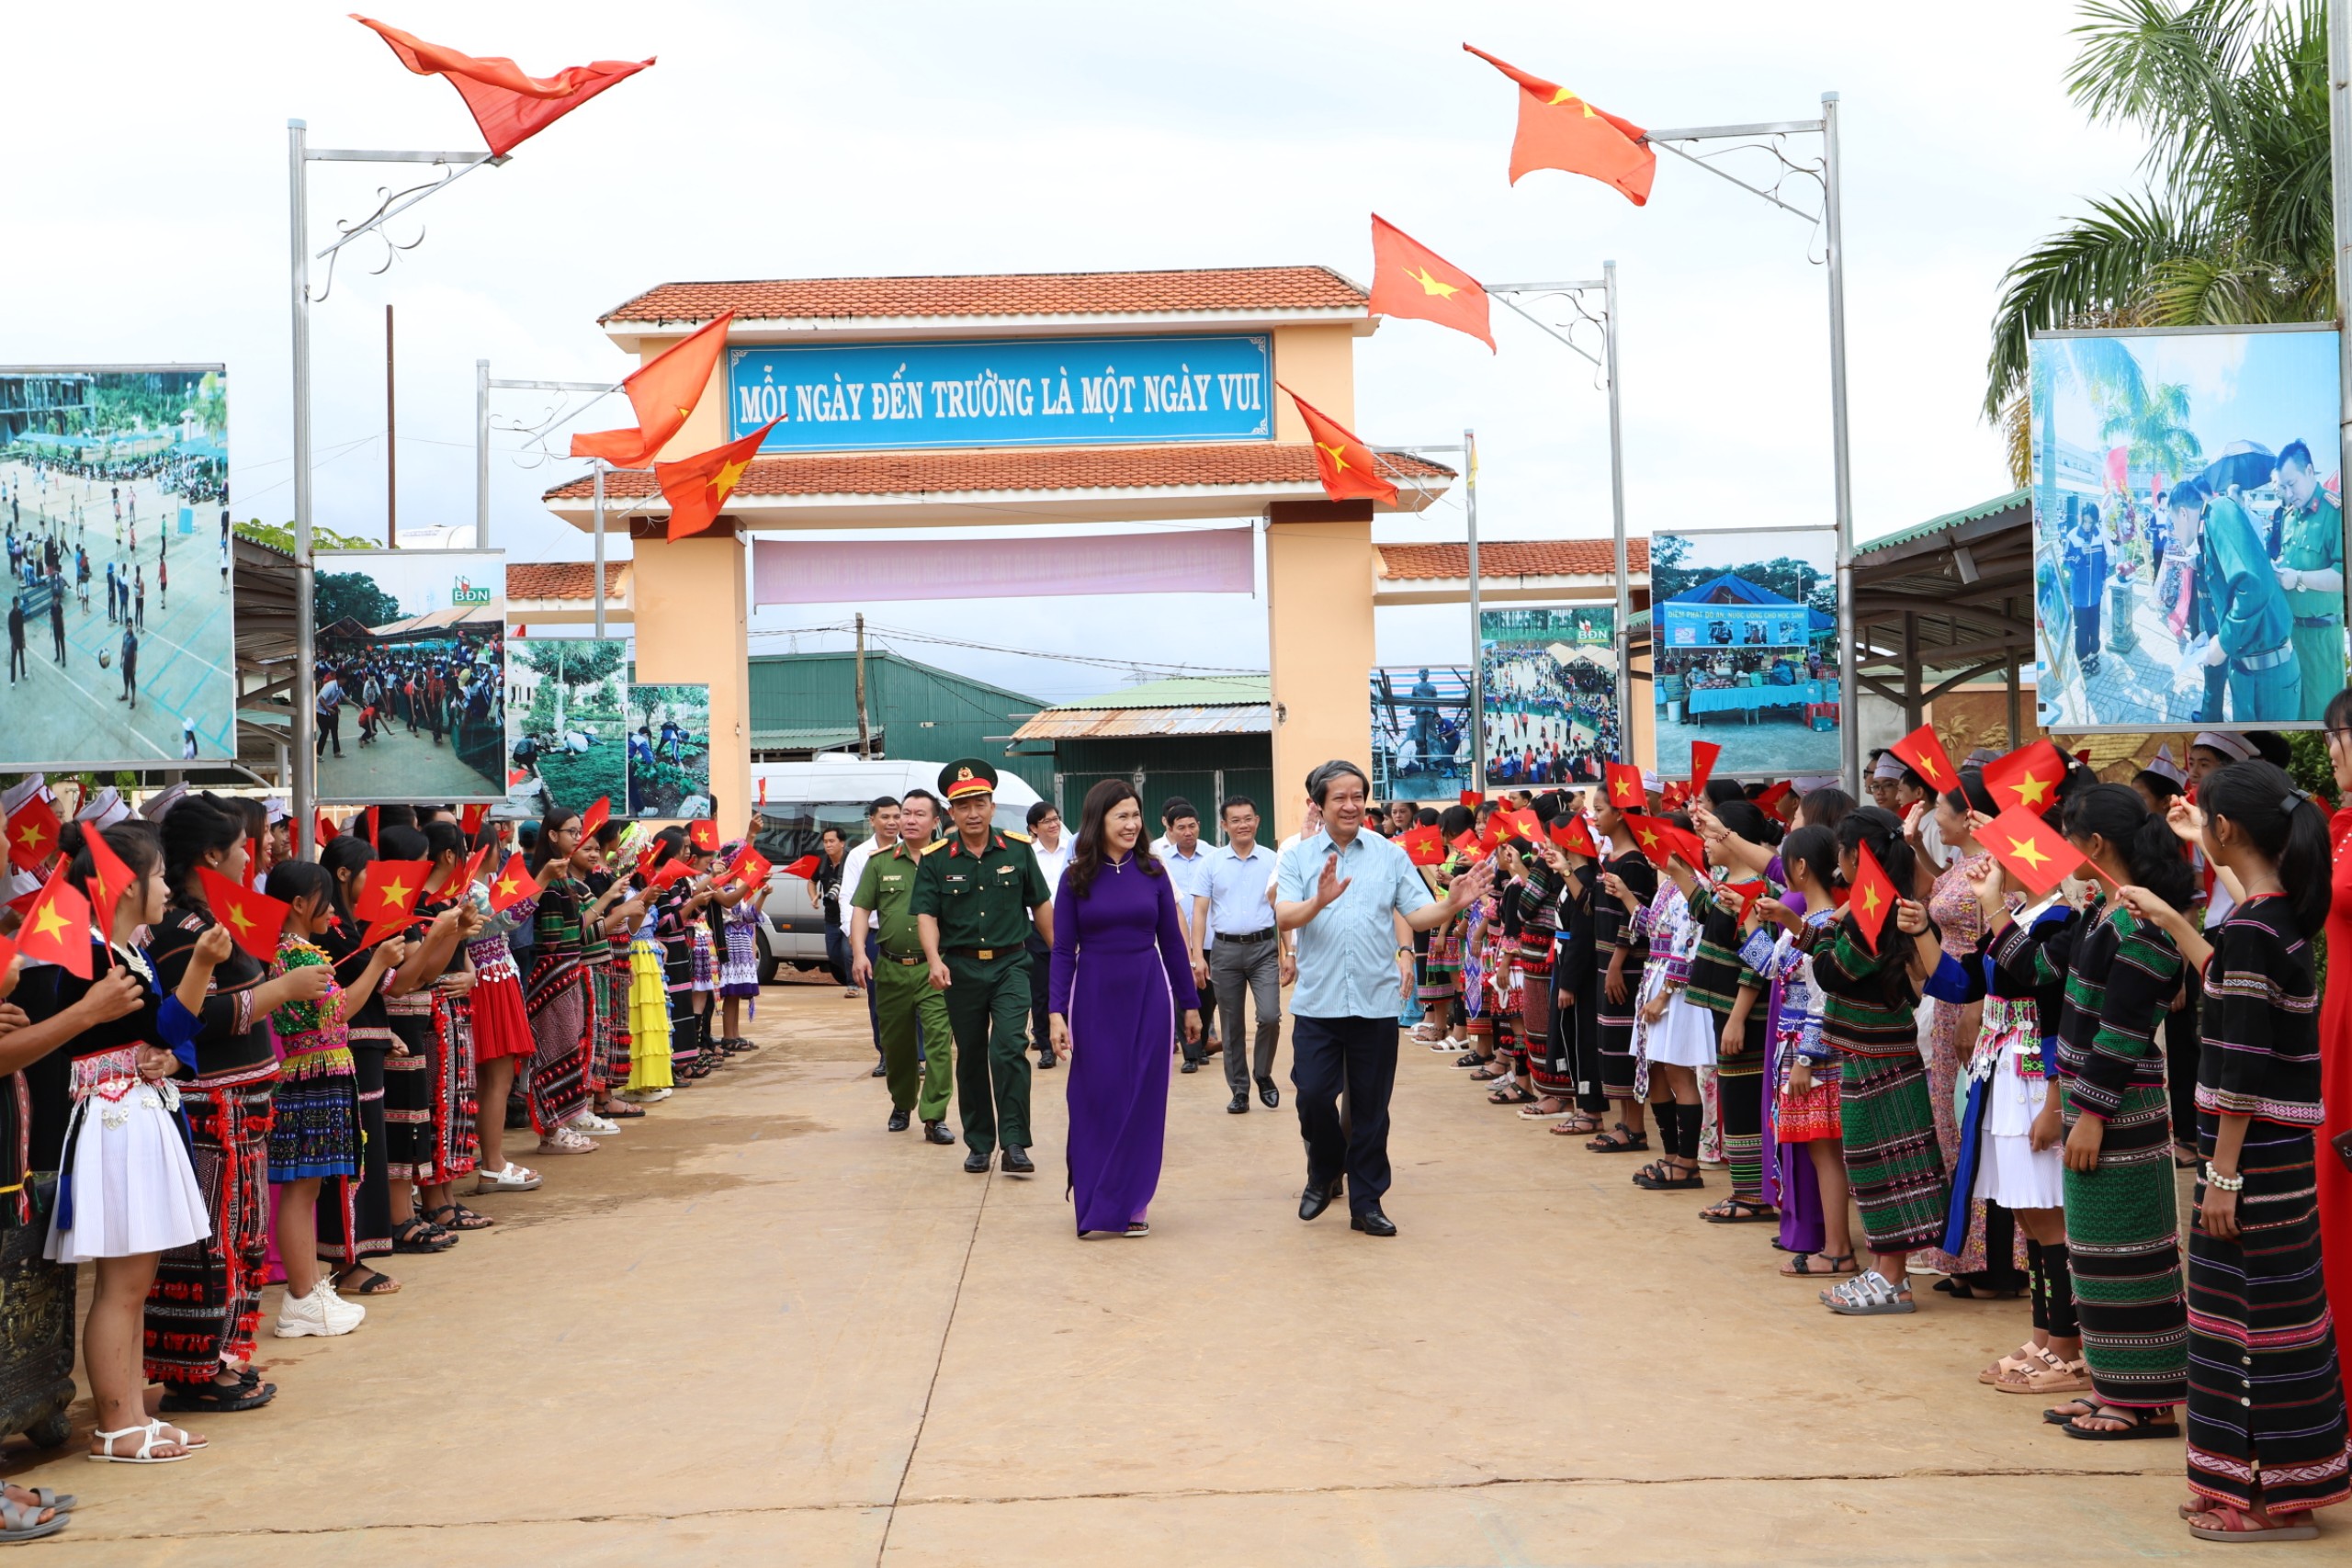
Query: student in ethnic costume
{"type": "Point", "coordinates": [2265, 1395]}
{"type": "Point", "coordinates": [1441, 981]}
{"type": "Point", "coordinates": [2123, 1236]}
{"type": "Point", "coordinates": [204, 1308]}
{"type": "Point", "coordinates": [503, 1042]}
{"type": "Point", "coordinates": [355, 1214]}
{"type": "Point", "coordinates": [737, 921]}
{"type": "Point", "coordinates": [314, 1124]}
{"type": "Point", "coordinates": [1888, 1131]}
{"type": "Point", "coordinates": [608, 971]}
{"type": "Point", "coordinates": [1574, 995]}
{"type": "Point", "coordinates": [1619, 953]}
{"type": "Point", "coordinates": [1732, 991]}
{"type": "Point", "coordinates": [1674, 1037]}
{"type": "Point", "coordinates": [555, 988]}
{"type": "Point", "coordinates": [456, 1103]}
{"type": "Point", "coordinates": [126, 1190]}
{"type": "Point", "coordinates": [429, 1099]}
{"type": "Point", "coordinates": [1544, 942]}
{"type": "Point", "coordinates": [1804, 1072]}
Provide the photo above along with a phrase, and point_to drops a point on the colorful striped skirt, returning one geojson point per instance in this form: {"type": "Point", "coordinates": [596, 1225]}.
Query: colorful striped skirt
{"type": "Point", "coordinates": [204, 1305]}
{"type": "Point", "coordinates": [456, 1098]}
{"type": "Point", "coordinates": [738, 967]}
{"type": "Point", "coordinates": [1892, 1162]}
{"type": "Point", "coordinates": [1620, 1076]}
{"type": "Point", "coordinates": [409, 1075]}
{"type": "Point", "coordinates": [558, 1084]}
{"type": "Point", "coordinates": [314, 1117]}
{"type": "Point", "coordinates": [355, 1211]}
{"type": "Point", "coordinates": [2123, 1244]}
{"type": "Point", "coordinates": [1441, 970]}
{"type": "Point", "coordinates": [2266, 1392]}
{"type": "Point", "coordinates": [1739, 1101]}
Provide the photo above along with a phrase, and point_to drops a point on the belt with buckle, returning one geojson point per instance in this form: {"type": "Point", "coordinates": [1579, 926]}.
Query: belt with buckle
{"type": "Point", "coordinates": [2317, 620]}
{"type": "Point", "coordinates": [982, 953]}
{"type": "Point", "coordinates": [1264, 935]}
{"type": "Point", "coordinates": [2255, 663]}
{"type": "Point", "coordinates": [900, 957]}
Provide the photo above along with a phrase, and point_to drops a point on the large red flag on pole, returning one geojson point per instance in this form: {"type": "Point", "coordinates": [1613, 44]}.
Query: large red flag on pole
{"type": "Point", "coordinates": [1410, 279]}
{"type": "Point", "coordinates": [1558, 130]}
{"type": "Point", "coordinates": [508, 105]}
{"type": "Point", "coordinates": [1344, 463]}
{"type": "Point", "coordinates": [663, 390]}
{"type": "Point", "coordinates": [698, 486]}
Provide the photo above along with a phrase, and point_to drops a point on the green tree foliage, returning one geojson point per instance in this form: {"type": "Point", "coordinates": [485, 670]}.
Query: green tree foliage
{"type": "Point", "coordinates": [352, 594]}
{"type": "Point", "coordinates": [567, 665]}
{"type": "Point", "coordinates": [2232, 225]}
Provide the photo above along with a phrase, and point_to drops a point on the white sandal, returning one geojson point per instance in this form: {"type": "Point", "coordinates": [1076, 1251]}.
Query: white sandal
{"type": "Point", "coordinates": [564, 1141]}
{"type": "Point", "coordinates": [154, 1432]}
{"type": "Point", "coordinates": [508, 1178]}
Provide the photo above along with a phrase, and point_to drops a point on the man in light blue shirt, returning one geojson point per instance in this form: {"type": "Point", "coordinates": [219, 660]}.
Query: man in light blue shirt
{"type": "Point", "coordinates": [1342, 890]}
{"type": "Point", "coordinates": [1186, 858]}
{"type": "Point", "coordinates": [1230, 909]}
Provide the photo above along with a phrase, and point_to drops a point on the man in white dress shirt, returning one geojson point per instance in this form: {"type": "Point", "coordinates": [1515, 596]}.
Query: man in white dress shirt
{"type": "Point", "coordinates": [1186, 859]}
{"type": "Point", "coordinates": [1230, 908]}
{"type": "Point", "coordinates": [882, 822]}
{"type": "Point", "coordinates": [1051, 844]}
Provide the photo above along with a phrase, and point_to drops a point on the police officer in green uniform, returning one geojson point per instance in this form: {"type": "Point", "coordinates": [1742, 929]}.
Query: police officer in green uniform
{"type": "Point", "coordinates": [2310, 570]}
{"type": "Point", "coordinates": [903, 996]}
{"type": "Point", "coordinates": [978, 895]}
{"type": "Point", "coordinates": [2241, 608]}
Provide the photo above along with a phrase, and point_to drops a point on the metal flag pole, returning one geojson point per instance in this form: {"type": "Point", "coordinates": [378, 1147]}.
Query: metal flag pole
{"type": "Point", "coordinates": [1477, 650]}
{"type": "Point", "coordinates": [600, 547]}
{"type": "Point", "coordinates": [484, 384]}
{"type": "Point", "coordinates": [1765, 137]}
{"type": "Point", "coordinates": [392, 203]}
{"type": "Point", "coordinates": [481, 453]}
{"type": "Point", "coordinates": [2339, 147]}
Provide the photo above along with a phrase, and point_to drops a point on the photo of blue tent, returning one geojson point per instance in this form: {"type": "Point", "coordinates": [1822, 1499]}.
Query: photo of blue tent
{"type": "Point", "coordinates": [1746, 651]}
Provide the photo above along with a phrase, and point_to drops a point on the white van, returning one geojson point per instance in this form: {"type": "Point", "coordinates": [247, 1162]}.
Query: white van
{"type": "Point", "coordinates": [803, 799]}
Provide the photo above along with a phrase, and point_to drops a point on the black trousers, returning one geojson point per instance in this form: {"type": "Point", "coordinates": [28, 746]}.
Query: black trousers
{"type": "Point", "coordinates": [2181, 1052]}
{"type": "Point", "coordinates": [1359, 1056]}
{"type": "Point", "coordinates": [1041, 987]}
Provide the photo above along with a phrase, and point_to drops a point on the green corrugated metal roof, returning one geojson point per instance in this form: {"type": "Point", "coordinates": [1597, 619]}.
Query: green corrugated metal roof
{"type": "Point", "coordinates": [1185, 691]}
{"type": "Point", "coordinates": [1966, 514]}
{"type": "Point", "coordinates": [820, 739]}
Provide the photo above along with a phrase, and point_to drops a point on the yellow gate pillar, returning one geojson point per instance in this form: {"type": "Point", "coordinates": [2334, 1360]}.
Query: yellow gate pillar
{"type": "Point", "coordinates": [693, 629]}
{"type": "Point", "coordinates": [1320, 641]}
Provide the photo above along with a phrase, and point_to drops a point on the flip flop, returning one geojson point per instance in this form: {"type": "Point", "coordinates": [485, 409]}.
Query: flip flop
{"type": "Point", "coordinates": [2141, 1426]}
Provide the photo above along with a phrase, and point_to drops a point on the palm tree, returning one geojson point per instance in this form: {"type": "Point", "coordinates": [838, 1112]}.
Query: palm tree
{"type": "Point", "coordinates": [2155, 428]}
{"type": "Point", "coordinates": [2233, 226]}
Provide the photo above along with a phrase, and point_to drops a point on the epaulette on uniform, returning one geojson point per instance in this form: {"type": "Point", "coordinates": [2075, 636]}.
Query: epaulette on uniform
{"type": "Point", "coordinates": [936, 845]}
{"type": "Point", "coordinates": [1017, 838]}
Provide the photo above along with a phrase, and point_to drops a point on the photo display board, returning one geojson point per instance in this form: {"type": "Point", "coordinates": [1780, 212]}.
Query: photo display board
{"type": "Point", "coordinates": [669, 750]}
{"type": "Point", "coordinates": [1743, 649]}
{"type": "Point", "coordinates": [567, 723]}
{"type": "Point", "coordinates": [1420, 732]}
{"type": "Point", "coordinates": [410, 676]}
{"type": "Point", "coordinates": [1549, 675]}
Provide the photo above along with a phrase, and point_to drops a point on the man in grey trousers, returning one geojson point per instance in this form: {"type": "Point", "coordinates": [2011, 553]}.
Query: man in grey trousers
{"type": "Point", "coordinates": [1248, 952]}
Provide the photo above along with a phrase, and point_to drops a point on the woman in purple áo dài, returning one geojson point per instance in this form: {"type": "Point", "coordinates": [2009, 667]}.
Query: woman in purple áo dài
{"type": "Point", "coordinates": [1120, 977]}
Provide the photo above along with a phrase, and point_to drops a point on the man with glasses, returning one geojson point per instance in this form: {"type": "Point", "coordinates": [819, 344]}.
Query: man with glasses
{"type": "Point", "coordinates": [1229, 906]}
{"type": "Point", "coordinates": [1343, 889]}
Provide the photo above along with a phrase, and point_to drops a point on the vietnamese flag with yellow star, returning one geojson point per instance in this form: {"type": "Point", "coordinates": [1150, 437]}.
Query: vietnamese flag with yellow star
{"type": "Point", "coordinates": [1625, 790]}
{"type": "Point", "coordinates": [1424, 846]}
{"type": "Point", "coordinates": [1873, 895]}
{"type": "Point", "coordinates": [599, 812]}
{"type": "Point", "coordinates": [1410, 279]}
{"type": "Point", "coordinates": [698, 486]}
{"type": "Point", "coordinates": [1559, 130]}
{"type": "Point", "coordinates": [1570, 833]}
{"type": "Point", "coordinates": [1924, 755]}
{"type": "Point", "coordinates": [254, 918]}
{"type": "Point", "coordinates": [391, 889]}
{"type": "Point", "coordinates": [513, 883]}
{"type": "Point", "coordinates": [57, 928]}
{"type": "Point", "coordinates": [1649, 837]}
{"type": "Point", "coordinates": [663, 390]}
{"type": "Point", "coordinates": [1344, 463]}
{"type": "Point", "coordinates": [110, 879]}
{"type": "Point", "coordinates": [2028, 776]}
{"type": "Point", "coordinates": [32, 834]}
{"type": "Point", "coordinates": [508, 105]}
{"type": "Point", "coordinates": [2031, 849]}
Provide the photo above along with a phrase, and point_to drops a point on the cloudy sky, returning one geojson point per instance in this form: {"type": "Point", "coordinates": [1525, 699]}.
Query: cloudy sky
{"type": "Point", "coordinates": [148, 222]}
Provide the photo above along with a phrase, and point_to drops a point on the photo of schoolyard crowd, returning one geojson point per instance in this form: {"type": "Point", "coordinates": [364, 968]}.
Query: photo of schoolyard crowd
{"type": "Point", "coordinates": [1550, 680]}
{"type": "Point", "coordinates": [409, 678]}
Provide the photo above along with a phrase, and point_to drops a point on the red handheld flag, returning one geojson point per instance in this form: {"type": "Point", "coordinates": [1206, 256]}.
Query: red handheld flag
{"type": "Point", "coordinates": [804, 868]}
{"type": "Point", "coordinates": [1410, 279]}
{"type": "Point", "coordinates": [513, 885]}
{"type": "Point", "coordinates": [2031, 849]}
{"type": "Point", "coordinates": [599, 812]}
{"type": "Point", "coordinates": [1649, 837]}
{"type": "Point", "coordinates": [1424, 846]}
{"type": "Point", "coordinates": [1571, 834]}
{"type": "Point", "coordinates": [1625, 791]}
{"type": "Point", "coordinates": [1688, 846]}
{"type": "Point", "coordinates": [1467, 841]}
{"type": "Point", "coordinates": [32, 834]}
{"type": "Point", "coordinates": [253, 864]}
{"type": "Point", "coordinates": [1471, 799]}
{"type": "Point", "coordinates": [254, 918]}
{"type": "Point", "coordinates": [109, 880]}
{"type": "Point", "coordinates": [509, 106]}
{"type": "Point", "coordinates": [462, 883]}
{"type": "Point", "coordinates": [698, 486]}
{"type": "Point", "coordinates": [1524, 823]}
{"type": "Point", "coordinates": [471, 818]}
{"type": "Point", "coordinates": [1926, 756]}
{"type": "Point", "coordinates": [1345, 465]}
{"type": "Point", "coordinates": [1702, 765]}
{"type": "Point", "coordinates": [57, 927]}
{"type": "Point", "coordinates": [752, 868]}
{"type": "Point", "coordinates": [1873, 896]}
{"type": "Point", "coordinates": [2028, 776]}
{"type": "Point", "coordinates": [671, 871]}
{"type": "Point", "coordinates": [1557, 129]}
{"type": "Point", "coordinates": [703, 834]}
{"type": "Point", "coordinates": [1773, 794]}
{"type": "Point", "coordinates": [373, 836]}
{"type": "Point", "coordinates": [322, 828]}
{"type": "Point", "coordinates": [391, 887]}
{"type": "Point", "coordinates": [663, 390]}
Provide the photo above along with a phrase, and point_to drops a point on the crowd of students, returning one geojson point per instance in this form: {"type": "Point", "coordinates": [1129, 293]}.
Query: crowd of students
{"type": "Point", "coordinates": [170, 1116]}
{"type": "Point", "coordinates": [1989, 1094]}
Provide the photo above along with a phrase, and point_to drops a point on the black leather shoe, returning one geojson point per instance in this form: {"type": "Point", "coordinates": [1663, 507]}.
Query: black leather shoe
{"type": "Point", "coordinates": [1018, 1163]}
{"type": "Point", "coordinates": [1190, 1066]}
{"type": "Point", "coordinates": [898, 1119]}
{"type": "Point", "coordinates": [1314, 1201]}
{"type": "Point", "coordinates": [1047, 1061]}
{"type": "Point", "coordinates": [880, 1069]}
{"type": "Point", "coordinates": [1238, 1105]}
{"type": "Point", "coordinates": [977, 1164]}
{"type": "Point", "coordinates": [937, 1132]}
{"type": "Point", "coordinates": [1373, 1223]}
{"type": "Point", "coordinates": [1270, 1094]}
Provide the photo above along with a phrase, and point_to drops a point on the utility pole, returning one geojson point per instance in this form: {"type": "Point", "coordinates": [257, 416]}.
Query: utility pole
{"type": "Point", "coordinates": [864, 747]}
{"type": "Point", "coordinates": [391, 445]}
{"type": "Point", "coordinates": [1477, 644]}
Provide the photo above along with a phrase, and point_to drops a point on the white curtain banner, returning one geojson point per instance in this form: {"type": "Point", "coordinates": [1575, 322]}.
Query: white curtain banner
{"type": "Point", "coordinates": [1206, 560]}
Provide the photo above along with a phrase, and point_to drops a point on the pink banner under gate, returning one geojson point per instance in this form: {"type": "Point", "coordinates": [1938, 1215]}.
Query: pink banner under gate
{"type": "Point", "coordinates": [1185, 560]}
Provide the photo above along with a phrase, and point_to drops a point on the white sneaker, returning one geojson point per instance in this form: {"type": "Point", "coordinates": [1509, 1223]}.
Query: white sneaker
{"type": "Point", "coordinates": [595, 1126]}
{"type": "Point", "coordinates": [642, 1096]}
{"type": "Point", "coordinates": [321, 1313]}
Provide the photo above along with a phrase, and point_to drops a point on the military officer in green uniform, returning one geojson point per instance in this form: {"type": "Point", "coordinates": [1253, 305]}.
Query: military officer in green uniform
{"type": "Point", "coordinates": [978, 895]}
{"type": "Point", "coordinates": [2310, 570]}
{"type": "Point", "coordinates": [904, 998]}
{"type": "Point", "coordinates": [2241, 609]}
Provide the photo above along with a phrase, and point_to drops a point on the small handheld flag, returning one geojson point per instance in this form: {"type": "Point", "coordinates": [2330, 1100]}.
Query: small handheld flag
{"type": "Point", "coordinates": [513, 883]}
{"type": "Point", "coordinates": [1424, 846]}
{"type": "Point", "coordinates": [1571, 834]}
{"type": "Point", "coordinates": [57, 928]}
{"type": "Point", "coordinates": [2031, 849]}
{"type": "Point", "coordinates": [32, 834]}
{"type": "Point", "coordinates": [1649, 837]}
{"type": "Point", "coordinates": [1873, 896]}
{"type": "Point", "coordinates": [599, 812]}
{"type": "Point", "coordinates": [1625, 791]}
{"type": "Point", "coordinates": [1925, 756]}
{"type": "Point", "coordinates": [2028, 776]}
{"type": "Point", "coordinates": [1702, 764]}
{"type": "Point", "coordinates": [254, 918]}
{"type": "Point", "coordinates": [703, 834]}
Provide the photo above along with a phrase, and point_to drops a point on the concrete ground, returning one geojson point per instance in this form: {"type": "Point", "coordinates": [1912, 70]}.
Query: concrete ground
{"type": "Point", "coordinates": [755, 1324]}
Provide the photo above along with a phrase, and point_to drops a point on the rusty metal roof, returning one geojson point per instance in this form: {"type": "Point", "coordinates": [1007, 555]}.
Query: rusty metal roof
{"type": "Point", "coordinates": [1193, 704]}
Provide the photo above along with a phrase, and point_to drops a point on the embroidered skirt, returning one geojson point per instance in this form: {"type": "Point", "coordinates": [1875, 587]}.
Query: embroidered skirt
{"type": "Point", "coordinates": [2123, 1244]}
{"type": "Point", "coordinates": [314, 1117]}
{"type": "Point", "coordinates": [457, 1101]}
{"type": "Point", "coordinates": [1442, 965]}
{"type": "Point", "coordinates": [705, 957]}
{"type": "Point", "coordinates": [558, 1085]}
{"type": "Point", "coordinates": [355, 1211]}
{"type": "Point", "coordinates": [738, 968]}
{"type": "Point", "coordinates": [1892, 1161]}
{"type": "Point", "coordinates": [204, 1305]}
{"type": "Point", "coordinates": [409, 1075]}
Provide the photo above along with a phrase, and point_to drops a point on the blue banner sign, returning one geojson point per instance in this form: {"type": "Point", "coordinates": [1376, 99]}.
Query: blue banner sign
{"type": "Point", "coordinates": [1034, 392]}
